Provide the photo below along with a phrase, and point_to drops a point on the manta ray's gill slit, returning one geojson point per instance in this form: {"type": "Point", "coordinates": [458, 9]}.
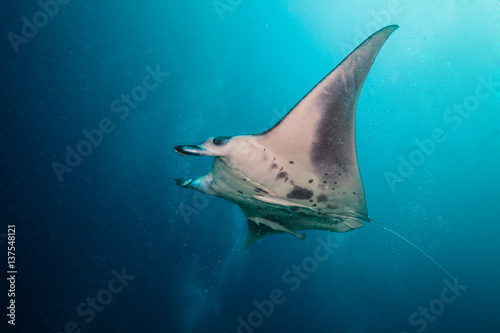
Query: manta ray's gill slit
{"type": "Point", "coordinates": [259, 190]}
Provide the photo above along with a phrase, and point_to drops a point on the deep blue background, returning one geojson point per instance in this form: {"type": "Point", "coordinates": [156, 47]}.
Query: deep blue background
{"type": "Point", "coordinates": [120, 208]}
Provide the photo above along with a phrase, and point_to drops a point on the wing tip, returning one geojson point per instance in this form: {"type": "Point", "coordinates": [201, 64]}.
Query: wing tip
{"type": "Point", "coordinates": [385, 32]}
{"type": "Point", "coordinates": [390, 29]}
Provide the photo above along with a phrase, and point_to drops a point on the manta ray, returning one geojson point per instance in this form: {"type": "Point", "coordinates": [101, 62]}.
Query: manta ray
{"type": "Point", "coordinates": [303, 172]}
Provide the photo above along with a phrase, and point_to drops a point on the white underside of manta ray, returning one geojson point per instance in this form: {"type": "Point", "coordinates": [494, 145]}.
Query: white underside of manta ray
{"type": "Point", "coordinates": [302, 173]}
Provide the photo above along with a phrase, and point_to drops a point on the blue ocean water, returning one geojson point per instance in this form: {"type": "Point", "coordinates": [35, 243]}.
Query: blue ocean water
{"type": "Point", "coordinates": [95, 95]}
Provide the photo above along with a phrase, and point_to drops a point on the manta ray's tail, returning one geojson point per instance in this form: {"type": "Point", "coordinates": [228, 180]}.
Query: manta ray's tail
{"type": "Point", "coordinates": [420, 250]}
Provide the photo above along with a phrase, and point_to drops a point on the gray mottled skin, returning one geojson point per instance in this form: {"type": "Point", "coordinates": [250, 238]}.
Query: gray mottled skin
{"type": "Point", "coordinates": [303, 173]}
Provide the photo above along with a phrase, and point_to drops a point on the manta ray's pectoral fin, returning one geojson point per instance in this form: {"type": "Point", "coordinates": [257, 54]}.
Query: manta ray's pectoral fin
{"type": "Point", "coordinates": [257, 231]}
{"type": "Point", "coordinates": [319, 132]}
{"type": "Point", "coordinates": [259, 227]}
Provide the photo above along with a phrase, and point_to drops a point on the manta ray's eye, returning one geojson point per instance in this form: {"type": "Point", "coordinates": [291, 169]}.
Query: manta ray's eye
{"type": "Point", "coordinates": [220, 140]}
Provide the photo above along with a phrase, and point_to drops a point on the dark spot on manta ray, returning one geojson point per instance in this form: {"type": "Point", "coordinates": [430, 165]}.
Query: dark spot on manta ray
{"type": "Point", "coordinates": [282, 175]}
{"type": "Point", "coordinates": [333, 188]}
{"type": "Point", "coordinates": [354, 193]}
{"type": "Point", "coordinates": [310, 181]}
{"type": "Point", "coordinates": [324, 182]}
{"type": "Point", "coordinates": [314, 205]}
{"type": "Point", "coordinates": [291, 162]}
{"type": "Point", "coordinates": [300, 193]}
{"type": "Point", "coordinates": [240, 192]}
{"type": "Point", "coordinates": [274, 165]}
{"type": "Point", "coordinates": [322, 198]}
{"type": "Point", "coordinates": [244, 179]}
{"type": "Point", "coordinates": [311, 200]}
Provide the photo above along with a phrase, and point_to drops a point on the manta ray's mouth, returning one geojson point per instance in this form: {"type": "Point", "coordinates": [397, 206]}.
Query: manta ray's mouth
{"type": "Point", "coordinates": [190, 150]}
